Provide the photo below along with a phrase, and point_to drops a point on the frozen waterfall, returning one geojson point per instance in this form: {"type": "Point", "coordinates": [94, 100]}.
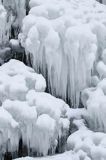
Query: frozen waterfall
{"type": "Point", "coordinates": [65, 44]}
{"type": "Point", "coordinates": [64, 40]}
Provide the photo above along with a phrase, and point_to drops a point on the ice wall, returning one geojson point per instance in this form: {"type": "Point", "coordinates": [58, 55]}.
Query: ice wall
{"type": "Point", "coordinates": [63, 39]}
{"type": "Point", "coordinates": [42, 37]}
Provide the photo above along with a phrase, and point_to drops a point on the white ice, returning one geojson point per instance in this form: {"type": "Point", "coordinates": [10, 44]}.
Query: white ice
{"type": "Point", "coordinates": [65, 39]}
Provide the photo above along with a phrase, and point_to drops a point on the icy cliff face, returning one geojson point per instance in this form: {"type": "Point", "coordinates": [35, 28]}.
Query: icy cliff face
{"type": "Point", "coordinates": [64, 39]}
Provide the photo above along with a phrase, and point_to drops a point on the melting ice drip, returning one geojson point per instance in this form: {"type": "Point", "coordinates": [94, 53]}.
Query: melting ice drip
{"type": "Point", "coordinates": [63, 38]}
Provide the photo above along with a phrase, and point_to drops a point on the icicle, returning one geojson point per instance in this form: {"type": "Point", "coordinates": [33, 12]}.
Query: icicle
{"type": "Point", "coordinates": [63, 43]}
{"type": "Point", "coordinates": [28, 115]}
{"type": "Point", "coordinates": [16, 11]}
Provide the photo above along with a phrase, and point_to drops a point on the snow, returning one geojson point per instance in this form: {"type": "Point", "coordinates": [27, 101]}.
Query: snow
{"type": "Point", "coordinates": [23, 77]}
{"type": "Point", "coordinates": [65, 39]}
{"type": "Point", "coordinates": [49, 104]}
{"type": "Point", "coordinates": [83, 144]}
{"type": "Point", "coordinates": [20, 111]}
{"type": "Point", "coordinates": [29, 79]}
{"type": "Point", "coordinates": [88, 142]}
{"type": "Point", "coordinates": [64, 156]}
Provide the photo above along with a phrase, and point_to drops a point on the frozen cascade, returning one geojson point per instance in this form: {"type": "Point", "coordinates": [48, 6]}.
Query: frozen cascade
{"type": "Point", "coordinates": [64, 40]}
{"type": "Point", "coordinates": [30, 114]}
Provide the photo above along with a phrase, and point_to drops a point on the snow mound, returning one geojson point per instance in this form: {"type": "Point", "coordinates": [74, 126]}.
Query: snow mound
{"type": "Point", "coordinates": [67, 155]}
{"type": "Point", "coordinates": [64, 39]}
{"type": "Point", "coordinates": [49, 105]}
{"type": "Point", "coordinates": [17, 79]}
{"type": "Point", "coordinates": [88, 144]}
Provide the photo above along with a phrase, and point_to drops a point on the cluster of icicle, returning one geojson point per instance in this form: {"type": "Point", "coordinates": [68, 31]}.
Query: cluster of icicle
{"type": "Point", "coordinates": [15, 11]}
{"type": "Point", "coordinates": [28, 113]}
{"type": "Point", "coordinates": [62, 38]}
{"type": "Point", "coordinates": [94, 98]}
{"type": "Point", "coordinates": [12, 13]}
{"type": "Point", "coordinates": [3, 27]}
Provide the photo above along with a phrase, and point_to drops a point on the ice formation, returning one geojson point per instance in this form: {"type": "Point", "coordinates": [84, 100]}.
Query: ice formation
{"type": "Point", "coordinates": [12, 13]}
{"type": "Point", "coordinates": [94, 98]}
{"type": "Point", "coordinates": [66, 42]}
{"type": "Point", "coordinates": [16, 11]}
{"type": "Point", "coordinates": [8, 132]}
{"type": "Point", "coordinates": [88, 144]}
{"type": "Point", "coordinates": [83, 144]}
{"type": "Point", "coordinates": [3, 26]}
{"type": "Point", "coordinates": [28, 113]}
{"type": "Point", "coordinates": [10, 25]}
{"type": "Point", "coordinates": [64, 39]}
